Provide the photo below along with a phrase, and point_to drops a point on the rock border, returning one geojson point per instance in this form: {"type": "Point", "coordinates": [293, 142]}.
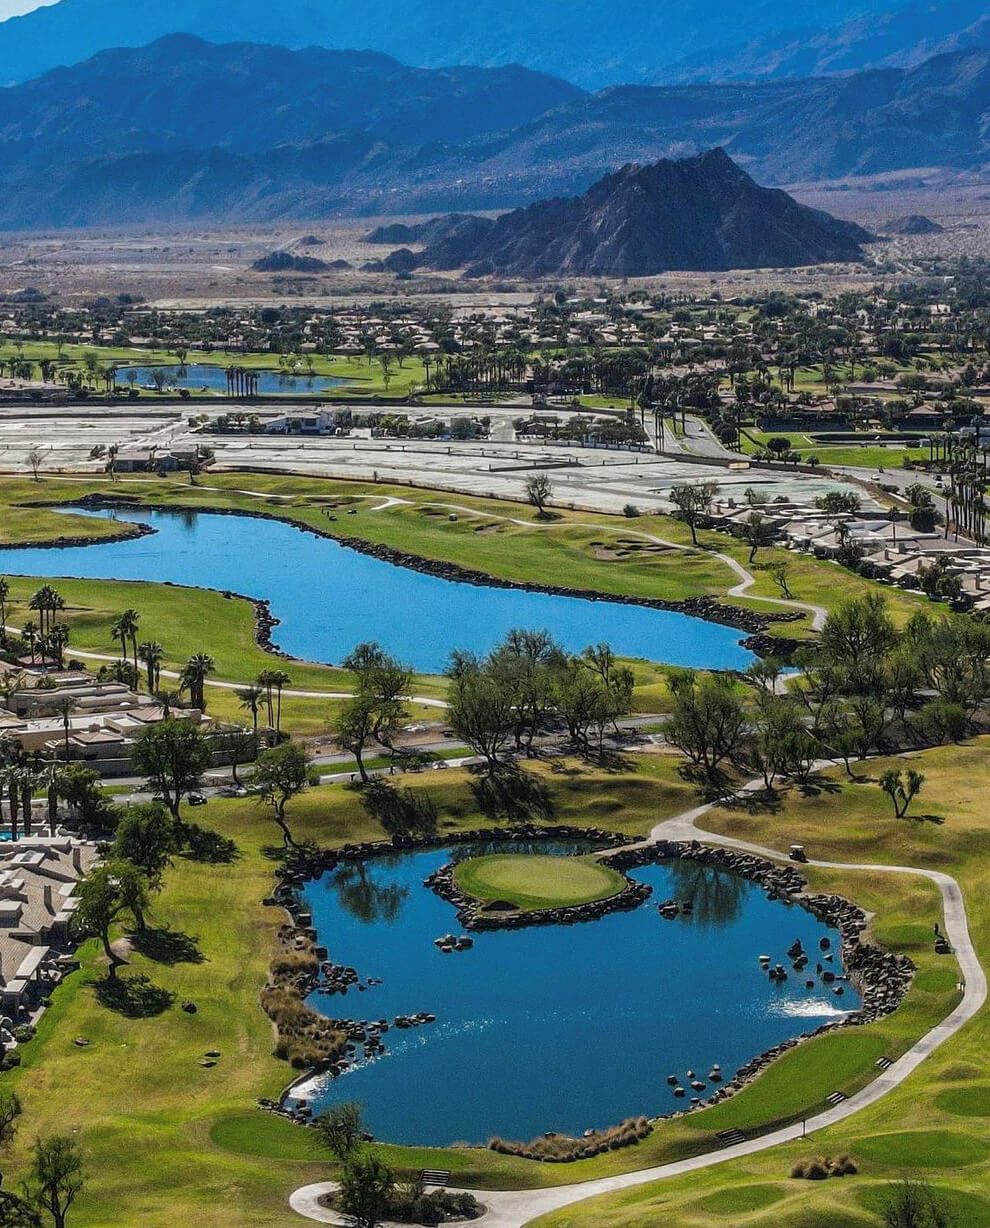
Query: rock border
{"type": "Point", "coordinates": [472, 914]}
{"type": "Point", "coordinates": [881, 977]}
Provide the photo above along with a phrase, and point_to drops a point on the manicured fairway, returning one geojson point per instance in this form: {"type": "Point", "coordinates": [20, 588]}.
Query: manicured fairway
{"type": "Point", "coordinates": [531, 882]}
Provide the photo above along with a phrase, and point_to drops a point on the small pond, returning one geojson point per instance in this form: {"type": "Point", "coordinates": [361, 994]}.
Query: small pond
{"type": "Point", "coordinates": [202, 376]}
{"type": "Point", "coordinates": [330, 598]}
{"type": "Point", "coordinates": [556, 1027]}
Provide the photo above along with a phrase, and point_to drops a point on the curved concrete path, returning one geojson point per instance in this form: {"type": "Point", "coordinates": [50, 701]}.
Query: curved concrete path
{"type": "Point", "coordinates": [512, 1209]}
{"type": "Point", "coordinates": [746, 578]}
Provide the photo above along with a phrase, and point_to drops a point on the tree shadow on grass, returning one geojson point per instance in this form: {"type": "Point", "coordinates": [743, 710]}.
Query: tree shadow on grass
{"type": "Point", "coordinates": [764, 801]}
{"type": "Point", "coordinates": [816, 785]}
{"type": "Point", "coordinates": [167, 946]}
{"type": "Point", "coordinates": [937, 819]}
{"type": "Point", "coordinates": [135, 997]}
{"type": "Point", "coordinates": [607, 759]}
{"type": "Point", "coordinates": [514, 795]}
{"type": "Point", "coordinates": [209, 846]}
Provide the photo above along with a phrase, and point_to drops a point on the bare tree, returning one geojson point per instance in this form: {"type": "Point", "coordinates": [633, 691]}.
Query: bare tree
{"type": "Point", "coordinates": [539, 492]}
{"type": "Point", "coordinates": [34, 458]}
{"type": "Point", "coordinates": [693, 503]}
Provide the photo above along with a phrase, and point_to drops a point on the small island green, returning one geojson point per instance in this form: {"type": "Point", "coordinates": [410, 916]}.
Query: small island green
{"type": "Point", "coordinates": [530, 882]}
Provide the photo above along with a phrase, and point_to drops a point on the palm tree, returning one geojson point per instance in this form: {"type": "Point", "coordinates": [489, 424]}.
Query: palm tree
{"type": "Point", "coordinates": [250, 698]}
{"type": "Point", "coordinates": [168, 701]}
{"type": "Point", "coordinates": [279, 679]}
{"type": "Point", "coordinates": [45, 602]}
{"type": "Point", "coordinates": [125, 629]}
{"type": "Point", "coordinates": [54, 783]}
{"type": "Point", "coordinates": [56, 642]}
{"type": "Point", "coordinates": [193, 678]}
{"type": "Point", "coordinates": [29, 633]}
{"type": "Point", "coordinates": [64, 706]}
{"type": "Point", "coordinates": [266, 681]}
{"type": "Point", "coordinates": [28, 782]}
{"type": "Point", "coordinates": [4, 594]}
{"type": "Point", "coordinates": [152, 654]}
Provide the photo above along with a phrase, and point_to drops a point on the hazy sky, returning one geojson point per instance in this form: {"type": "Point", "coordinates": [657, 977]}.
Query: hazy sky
{"type": "Point", "coordinates": [10, 8]}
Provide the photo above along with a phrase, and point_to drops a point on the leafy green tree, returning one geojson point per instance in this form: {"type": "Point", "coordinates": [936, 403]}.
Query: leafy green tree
{"type": "Point", "coordinates": [693, 502]}
{"type": "Point", "coordinates": [105, 894]}
{"type": "Point", "coordinates": [481, 709]}
{"type": "Point", "coordinates": [756, 532]}
{"type": "Point", "coordinates": [148, 838]}
{"type": "Point", "coordinates": [55, 1177]}
{"type": "Point", "coordinates": [353, 729]}
{"type": "Point", "coordinates": [173, 755]}
{"type": "Point", "coordinates": [914, 1204]}
{"type": "Point", "coordinates": [708, 723]}
{"type": "Point", "coordinates": [79, 788]}
{"type": "Point", "coordinates": [367, 1189]}
{"type": "Point", "coordinates": [10, 1110]}
{"type": "Point", "coordinates": [152, 654]}
{"type": "Point", "coordinates": [341, 1130]}
{"type": "Point", "coordinates": [280, 775]}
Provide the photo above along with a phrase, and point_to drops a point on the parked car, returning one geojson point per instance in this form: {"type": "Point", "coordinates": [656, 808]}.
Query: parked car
{"type": "Point", "coordinates": [196, 799]}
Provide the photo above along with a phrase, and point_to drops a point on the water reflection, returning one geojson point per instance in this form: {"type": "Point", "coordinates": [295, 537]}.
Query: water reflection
{"type": "Point", "coordinates": [716, 895]}
{"type": "Point", "coordinates": [360, 892]}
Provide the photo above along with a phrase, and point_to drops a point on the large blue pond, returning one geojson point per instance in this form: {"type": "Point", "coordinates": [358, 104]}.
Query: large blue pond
{"type": "Point", "coordinates": [556, 1027]}
{"type": "Point", "coordinates": [197, 376]}
{"type": "Point", "coordinates": [330, 598]}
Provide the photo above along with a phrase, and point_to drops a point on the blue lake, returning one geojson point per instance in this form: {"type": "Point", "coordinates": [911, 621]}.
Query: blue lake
{"type": "Point", "coordinates": [330, 598]}
{"type": "Point", "coordinates": [557, 1027]}
{"type": "Point", "coordinates": [197, 376]}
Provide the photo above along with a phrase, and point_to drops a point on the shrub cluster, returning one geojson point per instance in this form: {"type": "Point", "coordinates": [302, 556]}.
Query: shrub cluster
{"type": "Point", "coordinates": [823, 1168]}
{"type": "Point", "coordinates": [304, 1037]}
{"type": "Point", "coordinates": [562, 1149]}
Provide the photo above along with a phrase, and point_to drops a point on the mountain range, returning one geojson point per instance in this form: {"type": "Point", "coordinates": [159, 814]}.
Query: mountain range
{"type": "Point", "coordinates": [594, 45]}
{"type": "Point", "coordinates": [702, 213]}
{"type": "Point", "coordinates": [187, 130]}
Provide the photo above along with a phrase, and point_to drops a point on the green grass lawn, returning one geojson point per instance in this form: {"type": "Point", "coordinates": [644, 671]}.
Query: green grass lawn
{"type": "Point", "coordinates": [869, 454]}
{"type": "Point", "coordinates": [167, 1141]}
{"type": "Point", "coordinates": [533, 882]}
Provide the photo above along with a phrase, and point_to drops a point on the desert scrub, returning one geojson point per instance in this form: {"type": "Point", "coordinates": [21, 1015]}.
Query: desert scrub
{"type": "Point", "coordinates": [562, 1149]}
{"type": "Point", "coordinates": [824, 1167]}
{"type": "Point", "coordinates": [303, 1037]}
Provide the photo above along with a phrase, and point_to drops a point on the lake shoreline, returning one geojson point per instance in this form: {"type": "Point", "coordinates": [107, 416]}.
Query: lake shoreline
{"type": "Point", "coordinates": [707, 609]}
{"type": "Point", "coordinates": [881, 978]}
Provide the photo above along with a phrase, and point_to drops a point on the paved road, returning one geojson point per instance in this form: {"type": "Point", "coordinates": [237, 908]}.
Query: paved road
{"type": "Point", "coordinates": [512, 1209]}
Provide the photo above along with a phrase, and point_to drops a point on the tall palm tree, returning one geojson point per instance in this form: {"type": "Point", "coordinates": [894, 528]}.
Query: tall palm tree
{"type": "Point", "coordinates": [251, 697]}
{"type": "Point", "coordinates": [266, 681]}
{"type": "Point", "coordinates": [4, 594]}
{"type": "Point", "coordinates": [152, 654]}
{"type": "Point", "coordinates": [64, 706]}
{"type": "Point", "coordinates": [193, 678]}
{"type": "Point", "coordinates": [29, 633]}
{"type": "Point", "coordinates": [125, 629]}
{"type": "Point", "coordinates": [28, 784]}
{"type": "Point", "coordinates": [54, 783]}
{"type": "Point", "coordinates": [280, 679]}
{"type": "Point", "coordinates": [56, 642]}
